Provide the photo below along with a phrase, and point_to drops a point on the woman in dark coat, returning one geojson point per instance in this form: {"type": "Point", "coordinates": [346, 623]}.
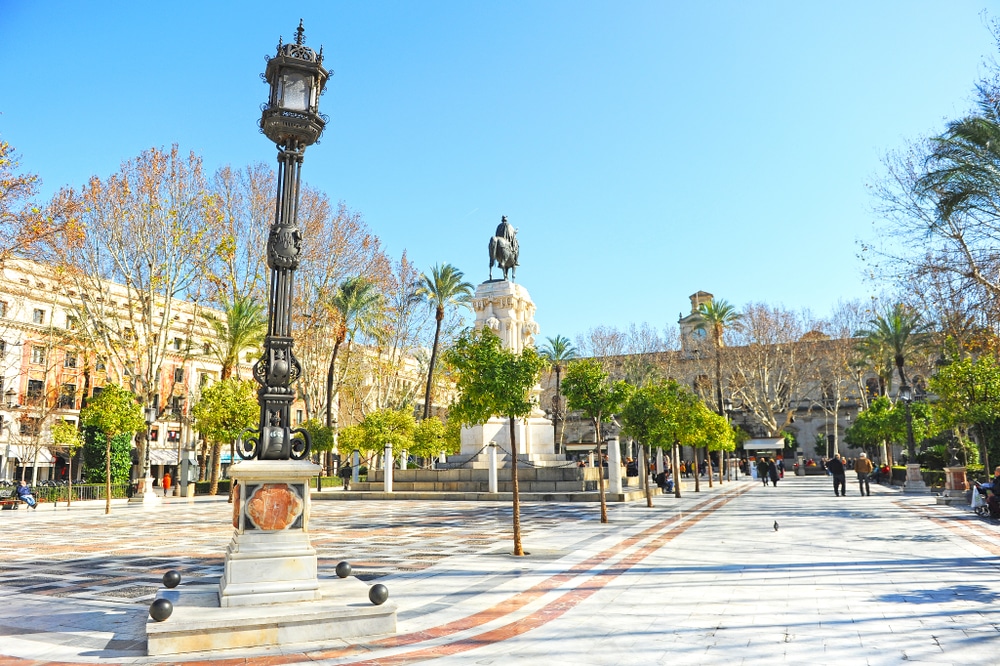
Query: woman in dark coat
{"type": "Point", "coordinates": [772, 471]}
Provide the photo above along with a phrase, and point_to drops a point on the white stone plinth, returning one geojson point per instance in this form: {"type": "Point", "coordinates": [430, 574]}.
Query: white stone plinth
{"type": "Point", "coordinates": [270, 559]}
{"type": "Point", "coordinates": [198, 624]}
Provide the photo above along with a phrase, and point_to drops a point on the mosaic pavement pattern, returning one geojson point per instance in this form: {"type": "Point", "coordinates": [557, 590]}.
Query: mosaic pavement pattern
{"type": "Point", "coordinates": [99, 558]}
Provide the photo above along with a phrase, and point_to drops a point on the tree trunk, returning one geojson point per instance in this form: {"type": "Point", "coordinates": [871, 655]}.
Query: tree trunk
{"type": "Point", "coordinates": [329, 384]}
{"type": "Point", "coordinates": [676, 459]}
{"type": "Point", "coordinates": [107, 473]}
{"type": "Point", "coordinates": [216, 469]}
{"type": "Point", "coordinates": [697, 470]}
{"type": "Point", "coordinates": [232, 457]}
{"type": "Point", "coordinates": [644, 471]}
{"type": "Point", "coordinates": [439, 316]}
{"type": "Point", "coordinates": [69, 479]}
{"type": "Point", "coordinates": [723, 462]}
{"type": "Point", "coordinates": [600, 472]}
{"type": "Point", "coordinates": [560, 423]}
{"type": "Point", "coordinates": [515, 497]}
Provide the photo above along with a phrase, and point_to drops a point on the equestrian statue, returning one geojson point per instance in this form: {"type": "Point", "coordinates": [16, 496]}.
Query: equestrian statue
{"type": "Point", "coordinates": [503, 249]}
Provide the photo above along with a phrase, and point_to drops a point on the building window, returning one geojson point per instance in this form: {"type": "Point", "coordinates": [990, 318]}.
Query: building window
{"type": "Point", "coordinates": [178, 374]}
{"type": "Point", "coordinates": [38, 355]}
{"type": "Point", "coordinates": [154, 434]}
{"type": "Point", "coordinates": [3, 308]}
{"type": "Point", "coordinates": [173, 435]}
{"type": "Point", "coordinates": [30, 427]}
{"type": "Point", "coordinates": [71, 360]}
{"type": "Point", "coordinates": [3, 347]}
{"type": "Point", "coordinates": [207, 348]}
{"type": "Point", "coordinates": [178, 343]}
{"type": "Point", "coordinates": [36, 389]}
{"type": "Point", "coordinates": [101, 365]}
{"type": "Point", "coordinates": [177, 405]}
{"type": "Point", "coordinates": [67, 398]}
{"type": "Point", "coordinates": [298, 416]}
{"type": "Point", "coordinates": [72, 323]}
{"type": "Point", "coordinates": [38, 316]}
{"type": "Point", "coordinates": [98, 390]}
{"type": "Point", "coordinates": [204, 379]}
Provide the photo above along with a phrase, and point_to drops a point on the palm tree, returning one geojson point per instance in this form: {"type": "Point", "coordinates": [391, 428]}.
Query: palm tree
{"type": "Point", "coordinates": [353, 304]}
{"type": "Point", "coordinates": [244, 327]}
{"type": "Point", "coordinates": [443, 287]}
{"type": "Point", "coordinates": [716, 317]}
{"type": "Point", "coordinates": [899, 332]}
{"type": "Point", "coordinates": [557, 351]}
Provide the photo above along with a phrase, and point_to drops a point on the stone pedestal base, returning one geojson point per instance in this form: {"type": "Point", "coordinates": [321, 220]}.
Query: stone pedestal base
{"type": "Point", "coordinates": [914, 484]}
{"type": "Point", "coordinates": [270, 559]}
{"type": "Point", "coordinates": [955, 480]}
{"type": "Point", "coordinates": [198, 624]}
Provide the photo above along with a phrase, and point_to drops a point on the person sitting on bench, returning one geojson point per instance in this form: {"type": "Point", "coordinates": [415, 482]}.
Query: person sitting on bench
{"type": "Point", "coordinates": [24, 494]}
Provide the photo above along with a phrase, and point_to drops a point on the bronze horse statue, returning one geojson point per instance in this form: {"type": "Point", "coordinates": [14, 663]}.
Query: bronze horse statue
{"type": "Point", "coordinates": [503, 249]}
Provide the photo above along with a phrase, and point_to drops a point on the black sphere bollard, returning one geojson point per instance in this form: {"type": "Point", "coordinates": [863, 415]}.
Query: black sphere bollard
{"type": "Point", "coordinates": [378, 594]}
{"type": "Point", "coordinates": [343, 569]}
{"type": "Point", "coordinates": [171, 579]}
{"type": "Point", "coordinates": [160, 609]}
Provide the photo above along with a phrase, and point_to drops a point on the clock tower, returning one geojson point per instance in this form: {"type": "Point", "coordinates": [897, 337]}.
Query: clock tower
{"type": "Point", "coordinates": [694, 339]}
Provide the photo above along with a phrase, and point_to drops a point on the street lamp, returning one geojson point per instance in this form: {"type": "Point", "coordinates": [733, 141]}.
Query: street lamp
{"type": "Point", "coordinates": [291, 119]}
{"type": "Point", "coordinates": [914, 480]}
{"type": "Point", "coordinates": [727, 407]}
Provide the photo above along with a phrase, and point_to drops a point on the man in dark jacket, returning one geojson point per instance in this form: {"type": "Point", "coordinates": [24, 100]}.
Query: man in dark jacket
{"type": "Point", "coordinates": [836, 467]}
{"type": "Point", "coordinates": [25, 495]}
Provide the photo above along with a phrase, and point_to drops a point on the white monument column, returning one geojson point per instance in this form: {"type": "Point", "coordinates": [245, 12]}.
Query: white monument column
{"type": "Point", "coordinates": [659, 461]}
{"type": "Point", "coordinates": [355, 471]}
{"type": "Point", "coordinates": [614, 466]}
{"type": "Point", "coordinates": [387, 468]}
{"type": "Point", "coordinates": [492, 458]}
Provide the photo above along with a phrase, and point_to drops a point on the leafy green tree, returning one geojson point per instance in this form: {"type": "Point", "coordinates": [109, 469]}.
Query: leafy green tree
{"type": "Point", "coordinates": [494, 381]}
{"type": "Point", "coordinates": [114, 412]}
{"type": "Point", "coordinates": [67, 437]}
{"type": "Point", "coordinates": [557, 352]}
{"type": "Point", "coordinates": [430, 438]}
{"type": "Point", "coordinates": [94, 445]}
{"type": "Point", "coordinates": [244, 327]}
{"type": "Point", "coordinates": [968, 394]}
{"type": "Point", "coordinates": [901, 332]}
{"type": "Point", "coordinates": [223, 413]}
{"type": "Point", "coordinates": [381, 427]}
{"type": "Point", "coordinates": [644, 420]}
{"type": "Point", "coordinates": [717, 316]}
{"type": "Point", "coordinates": [873, 428]}
{"type": "Point", "coordinates": [588, 389]}
{"type": "Point", "coordinates": [321, 438]}
{"type": "Point", "coordinates": [353, 305]}
{"type": "Point", "coordinates": [443, 287]}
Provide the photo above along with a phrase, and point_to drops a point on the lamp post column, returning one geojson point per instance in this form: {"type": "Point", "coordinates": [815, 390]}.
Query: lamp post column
{"type": "Point", "coordinates": [149, 497]}
{"type": "Point", "coordinates": [914, 479]}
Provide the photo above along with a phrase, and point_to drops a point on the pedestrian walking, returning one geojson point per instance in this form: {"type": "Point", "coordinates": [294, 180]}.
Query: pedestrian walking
{"type": "Point", "coordinates": [762, 471]}
{"type": "Point", "coordinates": [167, 481]}
{"type": "Point", "coordinates": [863, 466]}
{"type": "Point", "coordinates": [345, 473]}
{"type": "Point", "coordinates": [772, 471]}
{"type": "Point", "coordinates": [835, 466]}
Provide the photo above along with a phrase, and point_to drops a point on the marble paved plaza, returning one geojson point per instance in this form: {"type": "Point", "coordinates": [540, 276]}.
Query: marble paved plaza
{"type": "Point", "coordinates": [705, 579]}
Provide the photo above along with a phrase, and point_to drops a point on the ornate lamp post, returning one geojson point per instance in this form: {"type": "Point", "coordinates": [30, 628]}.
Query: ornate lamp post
{"type": "Point", "coordinates": [914, 480]}
{"type": "Point", "coordinates": [291, 119]}
{"type": "Point", "coordinates": [148, 496]}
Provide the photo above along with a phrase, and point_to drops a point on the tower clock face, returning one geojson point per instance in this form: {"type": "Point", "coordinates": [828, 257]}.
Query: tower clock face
{"type": "Point", "coordinates": [700, 333]}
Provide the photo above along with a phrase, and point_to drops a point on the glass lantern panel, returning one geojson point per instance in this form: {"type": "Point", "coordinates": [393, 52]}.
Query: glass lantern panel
{"type": "Point", "coordinates": [294, 92]}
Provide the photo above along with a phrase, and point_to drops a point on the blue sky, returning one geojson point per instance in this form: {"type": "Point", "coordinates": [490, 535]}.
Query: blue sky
{"type": "Point", "coordinates": [644, 150]}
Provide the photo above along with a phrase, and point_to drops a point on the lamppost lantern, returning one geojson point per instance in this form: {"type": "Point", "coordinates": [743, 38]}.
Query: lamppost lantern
{"type": "Point", "coordinates": [297, 78]}
{"type": "Point", "coordinates": [905, 393]}
{"type": "Point", "coordinates": [150, 415]}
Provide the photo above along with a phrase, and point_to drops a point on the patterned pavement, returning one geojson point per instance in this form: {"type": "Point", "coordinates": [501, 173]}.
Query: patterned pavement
{"type": "Point", "coordinates": [700, 580]}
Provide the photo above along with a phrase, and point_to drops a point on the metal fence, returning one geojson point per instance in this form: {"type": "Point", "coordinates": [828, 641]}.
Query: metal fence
{"type": "Point", "coordinates": [87, 491]}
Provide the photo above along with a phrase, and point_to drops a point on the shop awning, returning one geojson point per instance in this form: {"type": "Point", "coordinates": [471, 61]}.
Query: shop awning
{"type": "Point", "coordinates": [767, 444]}
{"type": "Point", "coordinates": [26, 455]}
{"type": "Point", "coordinates": [162, 456]}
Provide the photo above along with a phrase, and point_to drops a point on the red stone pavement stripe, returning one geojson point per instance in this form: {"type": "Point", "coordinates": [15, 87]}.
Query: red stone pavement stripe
{"type": "Point", "coordinates": [974, 531]}
{"type": "Point", "coordinates": [547, 613]}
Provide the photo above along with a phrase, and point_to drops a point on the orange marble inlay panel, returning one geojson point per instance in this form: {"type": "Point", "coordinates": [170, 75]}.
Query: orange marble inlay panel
{"type": "Point", "coordinates": [274, 506]}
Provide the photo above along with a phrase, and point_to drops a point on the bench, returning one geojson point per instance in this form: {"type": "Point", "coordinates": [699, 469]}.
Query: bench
{"type": "Point", "coordinates": [8, 498]}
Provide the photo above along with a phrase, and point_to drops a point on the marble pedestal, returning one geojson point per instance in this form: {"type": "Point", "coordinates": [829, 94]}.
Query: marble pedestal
{"type": "Point", "coordinates": [914, 484]}
{"type": "Point", "coordinates": [270, 559]}
{"type": "Point", "coordinates": [269, 594]}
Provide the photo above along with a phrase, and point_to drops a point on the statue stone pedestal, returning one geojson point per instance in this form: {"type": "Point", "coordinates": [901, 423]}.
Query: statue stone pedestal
{"type": "Point", "coordinates": [956, 485]}
{"type": "Point", "coordinates": [270, 559]}
{"type": "Point", "coordinates": [914, 484]}
{"type": "Point", "coordinates": [507, 309]}
{"type": "Point", "coordinates": [269, 594]}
